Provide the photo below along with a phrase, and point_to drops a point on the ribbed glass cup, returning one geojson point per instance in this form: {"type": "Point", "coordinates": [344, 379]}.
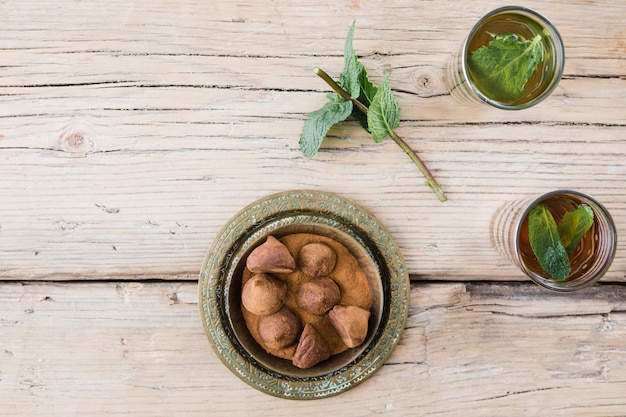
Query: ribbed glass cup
{"type": "Point", "coordinates": [509, 231]}
{"type": "Point", "coordinates": [465, 87]}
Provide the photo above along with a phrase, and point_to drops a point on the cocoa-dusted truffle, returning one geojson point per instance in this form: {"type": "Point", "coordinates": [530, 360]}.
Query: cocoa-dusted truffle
{"type": "Point", "coordinates": [280, 329]}
{"type": "Point", "coordinates": [271, 257]}
{"type": "Point", "coordinates": [279, 333]}
{"type": "Point", "coordinates": [311, 350]}
{"type": "Point", "coordinates": [263, 294]}
{"type": "Point", "coordinates": [317, 259]}
{"type": "Point", "coordinates": [318, 295]}
{"type": "Point", "coordinates": [351, 323]}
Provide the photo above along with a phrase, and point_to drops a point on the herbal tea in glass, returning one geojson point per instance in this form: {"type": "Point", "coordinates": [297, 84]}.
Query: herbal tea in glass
{"type": "Point", "coordinates": [558, 238]}
{"type": "Point", "coordinates": [512, 59]}
{"type": "Point", "coordinates": [564, 240]}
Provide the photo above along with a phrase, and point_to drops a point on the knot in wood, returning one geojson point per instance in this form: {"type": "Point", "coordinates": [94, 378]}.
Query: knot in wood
{"type": "Point", "coordinates": [423, 80]}
{"type": "Point", "coordinates": [75, 143]}
{"type": "Point", "coordinates": [75, 140]}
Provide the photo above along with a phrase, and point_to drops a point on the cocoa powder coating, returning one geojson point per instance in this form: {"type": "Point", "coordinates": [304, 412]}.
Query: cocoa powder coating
{"type": "Point", "coordinates": [317, 259]}
{"type": "Point", "coordinates": [354, 290]}
{"type": "Point", "coordinates": [318, 295]}
{"type": "Point", "coordinates": [264, 294]}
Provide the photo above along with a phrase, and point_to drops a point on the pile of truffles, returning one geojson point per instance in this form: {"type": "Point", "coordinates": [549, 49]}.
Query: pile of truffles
{"type": "Point", "coordinates": [305, 298]}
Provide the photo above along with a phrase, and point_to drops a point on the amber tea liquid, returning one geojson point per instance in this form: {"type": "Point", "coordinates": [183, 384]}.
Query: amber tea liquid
{"type": "Point", "coordinates": [581, 258]}
{"type": "Point", "coordinates": [526, 29]}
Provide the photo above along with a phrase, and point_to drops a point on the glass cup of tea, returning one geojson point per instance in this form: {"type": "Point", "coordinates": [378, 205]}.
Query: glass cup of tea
{"type": "Point", "coordinates": [521, 231]}
{"type": "Point", "coordinates": [512, 59]}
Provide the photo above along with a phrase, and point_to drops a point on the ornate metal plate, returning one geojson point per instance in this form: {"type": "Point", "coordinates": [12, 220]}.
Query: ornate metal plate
{"type": "Point", "coordinates": [280, 212]}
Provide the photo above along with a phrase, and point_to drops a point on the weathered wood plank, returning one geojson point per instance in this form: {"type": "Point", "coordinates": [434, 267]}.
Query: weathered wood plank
{"type": "Point", "coordinates": [131, 132]}
{"type": "Point", "coordinates": [154, 212]}
{"type": "Point", "coordinates": [477, 349]}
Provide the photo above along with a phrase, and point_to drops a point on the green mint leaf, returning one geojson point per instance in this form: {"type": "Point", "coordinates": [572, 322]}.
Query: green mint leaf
{"type": "Point", "coordinates": [503, 67]}
{"type": "Point", "coordinates": [319, 123]}
{"type": "Point", "coordinates": [361, 118]}
{"type": "Point", "coordinates": [368, 92]}
{"type": "Point", "coordinates": [546, 243]}
{"type": "Point", "coordinates": [354, 79]}
{"type": "Point", "coordinates": [349, 79]}
{"type": "Point", "coordinates": [384, 112]}
{"type": "Point", "coordinates": [573, 227]}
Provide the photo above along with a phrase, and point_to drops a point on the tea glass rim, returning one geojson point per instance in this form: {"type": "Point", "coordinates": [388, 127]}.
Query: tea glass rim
{"type": "Point", "coordinates": [559, 55]}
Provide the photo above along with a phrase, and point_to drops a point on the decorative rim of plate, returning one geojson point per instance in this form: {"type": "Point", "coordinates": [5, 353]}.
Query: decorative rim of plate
{"type": "Point", "coordinates": [342, 213]}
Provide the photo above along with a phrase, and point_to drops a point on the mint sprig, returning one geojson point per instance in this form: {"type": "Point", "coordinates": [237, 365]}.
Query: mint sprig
{"type": "Point", "coordinates": [376, 109]}
{"type": "Point", "coordinates": [504, 66]}
{"type": "Point", "coordinates": [551, 243]}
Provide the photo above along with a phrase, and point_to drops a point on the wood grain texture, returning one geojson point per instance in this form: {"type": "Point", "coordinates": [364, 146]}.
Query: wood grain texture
{"type": "Point", "coordinates": [131, 131]}
{"type": "Point", "coordinates": [468, 349]}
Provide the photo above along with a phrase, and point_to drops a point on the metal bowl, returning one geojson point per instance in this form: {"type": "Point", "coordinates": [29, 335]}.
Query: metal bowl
{"type": "Point", "coordinates": [318, 213]}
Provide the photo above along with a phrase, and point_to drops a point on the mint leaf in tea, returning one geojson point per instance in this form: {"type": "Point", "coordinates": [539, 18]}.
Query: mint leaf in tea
{"type": "Point", "coordinates": [503, 67]}
{"type": "Point", "coordinates": [546, 242]}
{"type": "Point", "coordinates": [573, 227]}
{"type": "Point", "coordinates": [552, 244]}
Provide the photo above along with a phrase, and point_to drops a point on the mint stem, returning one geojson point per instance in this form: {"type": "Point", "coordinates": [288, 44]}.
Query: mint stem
{"type": "Point", "coordinates": [430, 180]}
{"type": "Point", "coordinates": [340, 91]}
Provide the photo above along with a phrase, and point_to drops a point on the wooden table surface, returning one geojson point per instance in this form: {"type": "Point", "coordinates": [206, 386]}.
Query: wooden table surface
{"type": "Point", "coordinates": [132, 131]}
